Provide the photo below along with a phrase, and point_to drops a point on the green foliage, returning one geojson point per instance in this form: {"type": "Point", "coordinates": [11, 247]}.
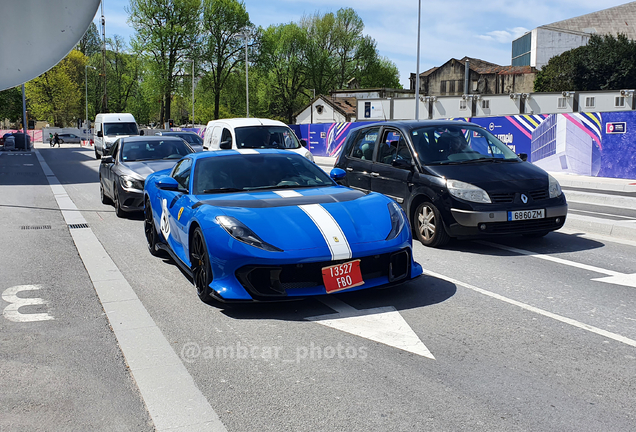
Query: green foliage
{"type": "Point", "coordinates": [11, 104]}
{"type": "Point", "coordinates": [90, 43]}
{"type": "Point", "coordinates": [605, 63]}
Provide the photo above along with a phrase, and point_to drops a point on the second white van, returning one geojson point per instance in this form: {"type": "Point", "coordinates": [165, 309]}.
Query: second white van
{"type": "Point", "coordinates": [110, 127]}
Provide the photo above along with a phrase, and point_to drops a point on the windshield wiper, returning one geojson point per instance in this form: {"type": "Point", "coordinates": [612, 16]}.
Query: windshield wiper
{"type": "Point", "coordinates": [222, 190]}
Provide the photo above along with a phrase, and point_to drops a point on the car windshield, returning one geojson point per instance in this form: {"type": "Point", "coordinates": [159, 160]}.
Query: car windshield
{"type": "Point", "coordinates": [256, 171]}
{"type": "Point", "coordinates": [440, 145]}
{"type": "Point", "coordinates": [190, 138]}
{"type": "Point", "coordinates": [266, 137]}
{"type": "Point", "coordinates": [121, 129]}
{"type": "Point", "coordinates": [153, 150]}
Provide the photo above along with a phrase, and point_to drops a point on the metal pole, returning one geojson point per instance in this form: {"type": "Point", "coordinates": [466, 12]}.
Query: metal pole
{"type": "Point", "coordinates": [105, 98]}
{"type": "Point", "coordinates": [193, 93]}
{"type": "Point", "coordinates": [417, 67]}
{"type": "Point", "coordinates": [247, 85]}
{"type": "Point", "coordinates": [24, 119]}
{"type": "Point", "coordinates": [86, 95]}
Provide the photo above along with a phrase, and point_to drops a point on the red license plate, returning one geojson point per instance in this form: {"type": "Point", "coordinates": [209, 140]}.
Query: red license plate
{"type": "Point", "coordinates": [342, 276]}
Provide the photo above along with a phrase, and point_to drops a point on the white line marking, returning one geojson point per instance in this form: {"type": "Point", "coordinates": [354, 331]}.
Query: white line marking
{"type": "Point", "coordinates": [169, 392]}
{"type": "Point", "coordinates": [12, 313]}
{"type": "Point", "coordinates": [536, 310]}
{"type": "Point", "coordinates": [553, 259]}
{"type": "Point", "coordinates": [331, 231]}
{"type": "Point", "coordinates": [384, 325]}
{"type": "Point", "coordinates": [287, 194]}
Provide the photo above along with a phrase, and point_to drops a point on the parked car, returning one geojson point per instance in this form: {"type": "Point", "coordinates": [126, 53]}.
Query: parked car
{"type": "Point", "coordinates": [453, 179]}
{"type": "Point", "coordinates": [195, 141]}
{"type": "Point", "coordinates": [244, 133]}
{"type": "Point", "coordinates": [69, 138]}
{"type": "Point", "coordinates": [270, 225]}
{"type": "Point", "coordinates": [122, 172]}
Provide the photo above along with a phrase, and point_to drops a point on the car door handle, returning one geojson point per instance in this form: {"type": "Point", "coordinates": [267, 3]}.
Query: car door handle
{"type": "Point", "coordinates": [375, 174]}
{"type": "Point", "coordinates": [349, 169]}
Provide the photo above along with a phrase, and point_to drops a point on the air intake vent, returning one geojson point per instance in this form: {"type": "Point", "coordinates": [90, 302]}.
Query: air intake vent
{"type": "Point", "coordinates": [77, 226]}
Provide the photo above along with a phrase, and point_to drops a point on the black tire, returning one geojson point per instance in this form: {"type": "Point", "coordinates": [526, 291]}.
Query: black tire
{"type": "Point", "coordinates": [102, 194]}
{"type": "Point", "coordinates": [152, 237]}
{"type": "Point", "coordinates": [537, 234]}
{"type": "Point", "coordinates": [200, 261]}
{"type": "Point", "coordinates": [428, 225]}
{"type": "Point", "coordinates": [118, 210]}
{"type": "Point", "coordinates": [97, 155]}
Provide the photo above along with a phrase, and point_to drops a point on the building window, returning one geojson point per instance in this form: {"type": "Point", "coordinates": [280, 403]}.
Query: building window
{"type": "Point", "coordinates": [442, 87]}
{"type": "Point", "coordinates": [460, 86]}
{"type": "Point", "coordinates": [451, 86]}
{"type": "Point", "coordinates": [562, 103]}
{"type": "Point", "coordinates": [485, 104]}
{"type": "Point", "coordinates": [475, 83]}
{"type": "Point", "coordinates": [619, 102]}
{"type": "Point", "coordinates": [463, 105]}
{"type": "Point", "coordinates": [589, 102]}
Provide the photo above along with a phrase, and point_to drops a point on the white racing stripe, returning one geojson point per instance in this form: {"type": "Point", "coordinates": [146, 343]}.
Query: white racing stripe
{"type": "Point", "coordinates": [287, 194]}
{"type": "Point", "coordinates": [331, 231]}
{"type": "Point", "coordinates": [247, 151]}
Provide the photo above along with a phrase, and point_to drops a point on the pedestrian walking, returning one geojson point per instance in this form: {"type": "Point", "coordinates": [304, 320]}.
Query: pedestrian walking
{"type": "Point", "coordinates": [56, 140]}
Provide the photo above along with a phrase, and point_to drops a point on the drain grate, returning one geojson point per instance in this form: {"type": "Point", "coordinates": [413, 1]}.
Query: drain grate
{"type": "Point", "coordinates": [35, 227]}
{"type": "Point", "coordinates": [77, 226]}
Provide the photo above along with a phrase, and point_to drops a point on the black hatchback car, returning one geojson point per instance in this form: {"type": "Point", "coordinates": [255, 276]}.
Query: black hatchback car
{"type": "Point", "coordinates": [453, 179]}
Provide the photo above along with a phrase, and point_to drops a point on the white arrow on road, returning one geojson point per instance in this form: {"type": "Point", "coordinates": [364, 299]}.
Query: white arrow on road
{"type": "Point", "coordinates": [613, 277]}
{"type": "Point", "coordinates": [384, 325]}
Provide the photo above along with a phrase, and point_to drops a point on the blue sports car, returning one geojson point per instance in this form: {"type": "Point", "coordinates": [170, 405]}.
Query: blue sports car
{"type": "Point", "coordinates": [254, 225]}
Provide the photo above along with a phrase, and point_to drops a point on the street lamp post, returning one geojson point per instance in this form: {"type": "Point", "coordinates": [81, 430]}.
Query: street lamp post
{"type": "Point", "coordinates": [417, 66]}
{"type": "Point", "coordinates": [86, 86]}
{"type": "Point", "coordinates": [192, 93]}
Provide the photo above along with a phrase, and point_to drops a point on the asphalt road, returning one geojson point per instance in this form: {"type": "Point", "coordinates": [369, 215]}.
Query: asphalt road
{"type": "Point", "coordinates": [523, 336]}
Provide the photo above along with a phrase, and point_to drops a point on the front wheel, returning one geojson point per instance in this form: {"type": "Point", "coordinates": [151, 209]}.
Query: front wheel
{"type": "Point", "coordinates": [97, 155]}
{"type": "Point", "coordinates": [200, 261]}
{"type": "Point", "coordinates": [428, 225]}
{"type": "Point", "coordinates": [118, 210]}
{"type": "Point", "coordinates": [102, 194]}
{"type": "Point", "coordinates": [149, 229]}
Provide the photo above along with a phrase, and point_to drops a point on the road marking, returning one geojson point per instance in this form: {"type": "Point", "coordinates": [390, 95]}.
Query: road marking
{"type": "Point", "coordinates": [330, 230]}
{"type": "Point", "coordinates": [384, 325]}
{"type": "Point", "coordinates": [171, 396]}
{"type": "Point", "coordinates": [614, 277]}
{"type": "Point", "coordinates": [578, 324]}
{"type": "Point", "coordinates": [12, 313]}
{"type": "Point", "coordinates": [602, 214]}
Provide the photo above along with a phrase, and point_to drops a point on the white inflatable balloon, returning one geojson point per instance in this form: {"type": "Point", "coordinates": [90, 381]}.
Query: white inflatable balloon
{"type": "Point", "coordinates": [36, 34]}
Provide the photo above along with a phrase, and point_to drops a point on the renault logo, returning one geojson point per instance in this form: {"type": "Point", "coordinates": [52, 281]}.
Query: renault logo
{"type": "Point", "coordinates": [524, 198]}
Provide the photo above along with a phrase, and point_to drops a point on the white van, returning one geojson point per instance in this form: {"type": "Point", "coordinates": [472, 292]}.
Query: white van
{"type": "Point", "coordinates": [109, 127]}
{"type": "Point", "coordinates": [240, 133]}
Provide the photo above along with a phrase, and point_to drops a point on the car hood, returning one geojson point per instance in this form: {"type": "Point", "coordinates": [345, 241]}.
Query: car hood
{"type": "Point", "coordinates": [145, 168]}
{"type": "Point", "coordinates": [287, 223]}
{"type": "Point", "coordinates": [497, 176]}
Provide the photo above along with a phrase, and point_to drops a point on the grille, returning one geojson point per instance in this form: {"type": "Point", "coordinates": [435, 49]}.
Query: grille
{"type": "Point", "coordinates": [275, 281]}
{"type": "Point", "coordinates": [77, 226]}
{"type": "Point", "coordinates": [502, 197]}
{"type": "Point", "coordinates": [35, 227]}
{"type": "Point", "coordinates": [522, 226]}
{"type": "Point", "coordinates": [538, 195]}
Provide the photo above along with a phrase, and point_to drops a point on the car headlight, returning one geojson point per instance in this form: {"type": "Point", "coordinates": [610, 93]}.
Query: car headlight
{"type": "Point", "coordinates": [467, 191]}
{"type": "Point", "coordinates": [397, 220]}
{"type": "Point", "coordinates": [554, 187]}
{"type": "Point", "coordinates": [242, 233]}
{"type": "Point", "coordinates": [309, 156]}
{"type": "Point", "coordinates": [128, 182]}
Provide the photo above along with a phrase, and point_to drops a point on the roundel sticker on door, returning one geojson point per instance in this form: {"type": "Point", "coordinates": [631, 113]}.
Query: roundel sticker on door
{"type": "Point", "coordinates": [165, 224]}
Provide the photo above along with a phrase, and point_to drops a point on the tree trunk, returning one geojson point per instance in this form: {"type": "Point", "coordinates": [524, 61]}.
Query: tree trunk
{"type": "Point", "coordinates": [167, 105]}
{"type": "Point", "coordinates": [217, 101]}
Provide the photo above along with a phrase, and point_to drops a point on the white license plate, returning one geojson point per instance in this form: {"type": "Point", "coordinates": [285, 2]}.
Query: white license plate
{"type": "Point", "coordinates": [526, 214]}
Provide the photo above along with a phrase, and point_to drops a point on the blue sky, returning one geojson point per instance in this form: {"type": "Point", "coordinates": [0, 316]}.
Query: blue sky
{"type": "Point", "coordinates": [450, 28]}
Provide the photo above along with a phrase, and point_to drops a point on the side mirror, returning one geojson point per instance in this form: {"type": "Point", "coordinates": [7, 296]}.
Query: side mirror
{"type": "Point", "coordinates": [141, 132]}
{"type": "Point", "coordinates": [402, 164]}
{"type": "Point", "coordinates": [523, 156]}
{"type": "Point", "coordinates": [168, 183]}
{"type": "Point", "coordinates": [100, 134]}
{"type": "Point", "coordinates": [225, 145]}
{"type": "Point", "coordinates": [337, 174]}
{"type": "Point", "coordinates": [108, 160]}
{"type": "Point", "coordinates": [303, 143]}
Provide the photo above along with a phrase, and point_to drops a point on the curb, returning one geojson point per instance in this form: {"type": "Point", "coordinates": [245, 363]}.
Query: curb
{"type": "Point", "coordinates": [625, 230]}
{"type": "Point", "coordinates": [600, 198]}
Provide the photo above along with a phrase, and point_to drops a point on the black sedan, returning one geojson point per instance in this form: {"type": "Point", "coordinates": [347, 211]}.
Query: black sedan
{"type": "Point", "coordinates": [123, 171]}
{"type": "Point", "coordinates": [191, 138]}
{"type": "Point", "coordinates": [453, 179]}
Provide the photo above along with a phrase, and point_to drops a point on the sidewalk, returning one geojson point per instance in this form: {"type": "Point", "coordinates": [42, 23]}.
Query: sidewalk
{"type": "Point", "coordinates": [596, 191]}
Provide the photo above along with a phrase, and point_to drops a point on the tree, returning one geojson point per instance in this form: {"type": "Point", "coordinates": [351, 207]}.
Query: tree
{"type": "Point", "coordinates": [89, 44]}
{"type": "Point", "coordinates": [167, 31]}
{"type": "Point", "coordinates": [320, 53]}
{"type": "Point", "coordinates": [282, 60]}
{"type": "Point", "coordinates": [57, 95]}
{"type": "Point", "coordinates": [11, 104]}
{"type": "Point", "coordinates": [605, 63]}
{"type": "Point", "coordinates": [223, 21]}
{"type": "Point", "coordinates": [123, 72]}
